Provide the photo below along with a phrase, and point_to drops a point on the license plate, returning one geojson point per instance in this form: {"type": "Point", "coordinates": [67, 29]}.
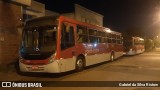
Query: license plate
{"type": "Point", "coordinates": [34, 68]}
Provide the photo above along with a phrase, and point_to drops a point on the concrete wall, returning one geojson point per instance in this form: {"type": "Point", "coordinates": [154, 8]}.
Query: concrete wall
{"type": "Point", "coordinates": [51, 13]}
{"type": "Point", "coordinates": [70, 15]}
{"type": "Point", "coordinates": [37, 7]}
{"type": "Point", "coordinates": [23, 2]}
{"type": "Point", "coordinates": [35, 10]}
{"type": "Point", "coordinates": [85, 15]}
{"type": "Point", "coordinates": [10, 21]}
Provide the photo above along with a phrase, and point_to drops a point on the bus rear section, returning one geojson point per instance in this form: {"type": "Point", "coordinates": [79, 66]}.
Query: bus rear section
{"type": "Point", "coordinates": [61, 44]}
{"type": "Point", "coordinates": [133, 45]}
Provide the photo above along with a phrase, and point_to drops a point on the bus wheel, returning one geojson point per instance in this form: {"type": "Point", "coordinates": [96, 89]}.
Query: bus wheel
{"type": "Point", "coordinates": [112, 57]}
{"type": "Point", "coordinates": [79, 64]}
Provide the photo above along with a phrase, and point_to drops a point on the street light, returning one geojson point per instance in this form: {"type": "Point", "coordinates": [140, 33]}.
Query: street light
{"type": "Point", "coordinates": [157, 36]}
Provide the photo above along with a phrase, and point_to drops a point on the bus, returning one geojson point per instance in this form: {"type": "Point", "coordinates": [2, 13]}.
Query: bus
{"type": "Point", "coordinates": [133, 45]}
{"type": "Point", "coordinates": [60, 44]}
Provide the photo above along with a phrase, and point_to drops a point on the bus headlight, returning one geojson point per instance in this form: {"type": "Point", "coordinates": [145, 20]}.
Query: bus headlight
{"type": "Point", "coordinates": [50, 60]}
{"type": "Point", "coordinates": [20, 58]}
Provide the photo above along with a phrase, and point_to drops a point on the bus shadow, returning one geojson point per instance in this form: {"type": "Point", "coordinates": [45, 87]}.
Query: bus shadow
{"type": "Point", "coordinates": [46, 75]}
{"type": "Point", "coordinates": [58, 75]}
{"type": "Point", "coordinates": [133, 55]}
{"type": "Point", "coordinates": [103, 63]}
{"type": "Point", "coordinates": [96, 65]}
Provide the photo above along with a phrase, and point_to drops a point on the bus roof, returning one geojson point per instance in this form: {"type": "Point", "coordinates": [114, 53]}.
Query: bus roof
{"type": "Point", "coordinates": [67, 19]}
{"type": "Point", "coordinates": [89, 25]}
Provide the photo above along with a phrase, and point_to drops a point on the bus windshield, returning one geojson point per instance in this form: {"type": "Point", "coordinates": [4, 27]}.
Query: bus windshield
{"type": "Point", "coordinates": [39, 39]}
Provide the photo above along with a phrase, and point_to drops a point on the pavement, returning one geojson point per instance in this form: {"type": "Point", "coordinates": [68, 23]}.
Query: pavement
{"type": "Point", "coordinates": [7, 68]}
{"type": "Point", "coordinates": [142, 67]}
{"type": "Point", "coordinates": [13, 67]}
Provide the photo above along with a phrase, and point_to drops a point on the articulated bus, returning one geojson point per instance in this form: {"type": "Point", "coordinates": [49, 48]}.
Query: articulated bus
{"type": "Point", "coordinates": [60, 44]}
{"type": "Point", "coordinates": [133, 45]}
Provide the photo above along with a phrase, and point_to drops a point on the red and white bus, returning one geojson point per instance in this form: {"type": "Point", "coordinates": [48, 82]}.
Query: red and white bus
{"type": "Point", "coordinates": [133, 45]}
{"type": "Point", "coordinates": [60, 44]}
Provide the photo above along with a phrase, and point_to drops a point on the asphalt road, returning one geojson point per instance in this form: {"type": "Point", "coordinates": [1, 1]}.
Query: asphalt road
{"type": "Point", "coordinates": [142, 67]}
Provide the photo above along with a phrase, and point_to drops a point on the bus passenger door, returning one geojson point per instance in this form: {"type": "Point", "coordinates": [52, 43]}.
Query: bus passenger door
{"type": "Point", "coordinates": [67, 47]}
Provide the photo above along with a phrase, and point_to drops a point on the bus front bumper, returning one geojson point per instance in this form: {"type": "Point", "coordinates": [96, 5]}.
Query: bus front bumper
{"type": "Point", "coordinates": [53, 67]}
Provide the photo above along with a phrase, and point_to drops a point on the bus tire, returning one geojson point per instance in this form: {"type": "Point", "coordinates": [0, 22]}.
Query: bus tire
{"type": "Point", "coordinates": [112, 57]}
{"type": "Point", "coordinates": [79, 64]}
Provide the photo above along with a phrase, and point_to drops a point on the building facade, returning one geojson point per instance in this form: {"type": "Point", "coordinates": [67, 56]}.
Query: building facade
{"type": "Point", "coordinates": [10, 21]}
{"type": "Point", "coordinates": [85, 15]}
{"type": "Point", "coordinates": [13, 14]}
{"type": "Point", "coordinates": [35, 10]}
{"type": "Point", "coordinates": [51, 13]}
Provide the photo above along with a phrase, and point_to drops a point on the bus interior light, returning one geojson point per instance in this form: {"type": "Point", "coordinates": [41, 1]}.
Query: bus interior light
{"type": "Point", "coordinates": [108, 30]}
{"type": "Point", "coordinates": [141, 39]}
{"type": "Point", "coordinates": [95, 44]}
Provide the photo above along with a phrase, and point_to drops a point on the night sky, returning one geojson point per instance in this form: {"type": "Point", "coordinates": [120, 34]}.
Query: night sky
{"type": "Point", "coordinates": [135, 17]}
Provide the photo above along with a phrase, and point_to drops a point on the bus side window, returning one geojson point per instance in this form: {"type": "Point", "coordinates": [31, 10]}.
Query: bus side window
{"type": "Point", "coordinates": [82, 34]}
{"type": "Point", "coordinates": [67, 36]}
